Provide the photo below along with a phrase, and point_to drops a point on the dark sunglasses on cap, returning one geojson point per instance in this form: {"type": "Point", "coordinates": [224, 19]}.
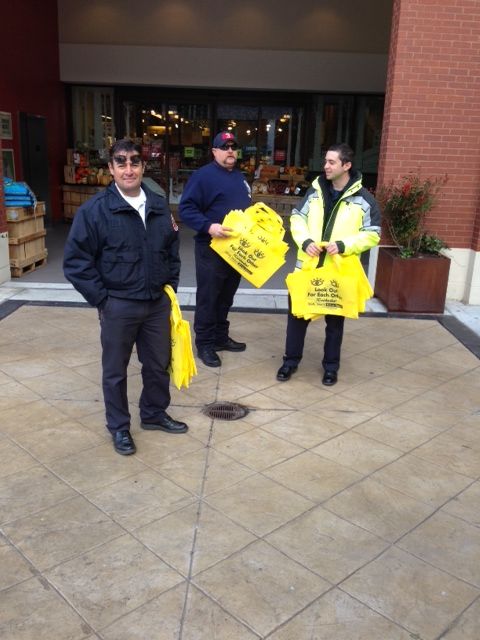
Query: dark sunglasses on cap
{"type": "Point", "coordinates": [225, 147]}
{"type": "Point", "coordinates": [121, 161]}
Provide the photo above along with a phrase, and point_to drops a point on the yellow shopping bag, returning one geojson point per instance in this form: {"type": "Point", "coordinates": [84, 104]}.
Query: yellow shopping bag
{"type": "Point", "coordinates": [255, 248]}
{"type": "Point", "coordinates": [182, 366]}
{"type": "Point", "coordinates": [338, 288]}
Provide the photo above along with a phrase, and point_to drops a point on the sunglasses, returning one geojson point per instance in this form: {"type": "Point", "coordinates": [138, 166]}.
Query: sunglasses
{"type": "Point", "coordinates": [226, 147]}
{"type": "Point", "coordinates": [121, 161]}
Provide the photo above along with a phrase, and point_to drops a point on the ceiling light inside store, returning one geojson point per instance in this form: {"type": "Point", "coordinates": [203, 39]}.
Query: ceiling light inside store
{"type": "Point", "coordinates": [156, 130]}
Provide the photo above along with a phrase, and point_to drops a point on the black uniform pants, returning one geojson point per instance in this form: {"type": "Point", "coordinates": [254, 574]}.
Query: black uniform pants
{"type": "Point", "coordinates": [217, 283]}
{"type": "Point", "coordinates": [146, 324]}
{"type": "Point", "coordinates": [296, 331]}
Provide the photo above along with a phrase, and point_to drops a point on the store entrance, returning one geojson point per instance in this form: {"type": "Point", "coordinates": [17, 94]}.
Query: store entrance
{"type": "Point", "coordinates": [33, 142]}
{"type": "Point", "coordinates": [175, 141]}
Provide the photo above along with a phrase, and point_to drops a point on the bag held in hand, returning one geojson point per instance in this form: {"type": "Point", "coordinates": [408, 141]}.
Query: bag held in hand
{"type": "Point", "coordinates": [182, 366]}
{"type": "Point", "coordinates": [255, 248]}
{"type": "Point", "coordinates": [338, 288]}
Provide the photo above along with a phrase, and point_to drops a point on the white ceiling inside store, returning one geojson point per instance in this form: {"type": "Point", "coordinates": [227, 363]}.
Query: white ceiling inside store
{"type": "Point", "coordinates": [349, 26]}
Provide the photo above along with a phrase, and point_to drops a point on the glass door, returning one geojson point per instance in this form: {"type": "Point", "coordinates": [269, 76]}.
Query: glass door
{"type": "Point", "coordinates": [356, 120]}
{"type": "Point", "coordinates": [175, 139]}
{"type": "Point", "coordinates": [188, 128]}
{"type": "Point", "coordinates": [153, 136]}
{"type": "Point", "coordinates": [93, 125]}
{"type": "Point", "coordinates": [267, 135]}
{"type": "Point", "coordinates": [242, 121]}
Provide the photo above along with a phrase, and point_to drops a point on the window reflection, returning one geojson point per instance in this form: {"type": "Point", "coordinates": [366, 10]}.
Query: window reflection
{"type": "Point", "coordinates": [176, 139]}
{"type": "Point", "coordinates": [280, 139]}
{"type": "Point", "coordinates": [268, 135]}
{"type": "Point", "coordinates": [356, 120]}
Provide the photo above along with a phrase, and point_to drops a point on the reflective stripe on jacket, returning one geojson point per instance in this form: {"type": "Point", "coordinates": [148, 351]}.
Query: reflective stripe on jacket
{"type": "Point", "coordinates": [354, 220]}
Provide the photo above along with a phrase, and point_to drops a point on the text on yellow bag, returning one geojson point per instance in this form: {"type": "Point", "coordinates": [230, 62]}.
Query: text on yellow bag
{"type": "Point", "coordinates": [339, 288]}
{"type": "Point", "coordinates": [255, 248]}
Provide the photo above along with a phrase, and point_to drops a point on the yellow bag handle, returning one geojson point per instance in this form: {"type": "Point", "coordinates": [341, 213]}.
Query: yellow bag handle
{"type": "Point", "coordinates": [311, 262]}
{"type": "Point", "coordinates": [176, 312]}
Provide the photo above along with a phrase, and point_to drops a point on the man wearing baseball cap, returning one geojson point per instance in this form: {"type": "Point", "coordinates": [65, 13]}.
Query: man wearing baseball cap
{"type": "Point", "coordinates": [211, 192]}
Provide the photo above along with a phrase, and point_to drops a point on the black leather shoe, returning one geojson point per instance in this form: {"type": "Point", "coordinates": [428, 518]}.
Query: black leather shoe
{"type": "Point", "coordinates": [231, 345]}
{"type": "Point", "coordinates": [208, 356]}
{"type": "Point", "coordinates": [123, 443]}
{"type": "Point", "coordinates": [165, 423]}
{"type": "Point", "coordinates": [329, 378]}
{"type": "Point", "coordinates": [285, 372]}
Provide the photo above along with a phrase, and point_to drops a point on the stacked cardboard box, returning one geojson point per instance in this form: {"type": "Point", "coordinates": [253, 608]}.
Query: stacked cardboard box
{"type": "Point", "coordinates": [26, 238]}
{"type": "Point", "coordinates": [269, 171]}
{"type": "Point", "coordinates": [282, 205]}
{"type": "Point", "coordinates": [74, 196]}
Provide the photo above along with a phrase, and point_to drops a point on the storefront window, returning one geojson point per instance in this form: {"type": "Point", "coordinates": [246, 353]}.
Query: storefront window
{"type": "Point", "coordinates": [242, 121]}
{"type": "Point", "coordinates": [369, 133]}
{"type": "Point", "coordinates": [267, 134]}
{"type": "Point", "coordinates": [356, 120]}
{"type": "Point", "coordinates": [279, 140]}
{"type": "Point", "coordinates": [93, 124]}
{"type": "Point", "coordinates": [175, 139]}
{"type": "Point", "coordinates": [280, 129]}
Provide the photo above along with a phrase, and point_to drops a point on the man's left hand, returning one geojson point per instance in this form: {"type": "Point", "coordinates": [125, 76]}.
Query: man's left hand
{"type": "Point", "coordinates": [332, 248]}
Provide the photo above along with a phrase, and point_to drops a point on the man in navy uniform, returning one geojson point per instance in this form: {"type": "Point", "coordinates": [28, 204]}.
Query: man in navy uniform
{"type": "Point", "coordinates": [122, 250]}
{"type": "Point", "coordinates": [211, 192]}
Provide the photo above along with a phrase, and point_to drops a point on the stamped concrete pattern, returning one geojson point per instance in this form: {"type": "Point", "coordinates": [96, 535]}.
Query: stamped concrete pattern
{"type": "Point", "coordinates": [342, 513]}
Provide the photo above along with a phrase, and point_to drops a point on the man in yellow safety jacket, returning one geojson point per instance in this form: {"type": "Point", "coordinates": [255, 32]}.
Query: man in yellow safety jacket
{"type": "Point", "coordinates": [339, 211]}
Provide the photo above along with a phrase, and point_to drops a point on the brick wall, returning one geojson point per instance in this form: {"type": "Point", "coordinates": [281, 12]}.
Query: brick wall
{"type": "Point", "coordinates": [30, 82]}
{"type": "Point", "coordinates": [3, 215]}
{"type": "Point", "coordinates": [432, 109]}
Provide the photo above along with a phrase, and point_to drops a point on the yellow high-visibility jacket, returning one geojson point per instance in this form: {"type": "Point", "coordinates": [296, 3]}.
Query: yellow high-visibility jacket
{"type": "Point", "coordinates": [354, 222]}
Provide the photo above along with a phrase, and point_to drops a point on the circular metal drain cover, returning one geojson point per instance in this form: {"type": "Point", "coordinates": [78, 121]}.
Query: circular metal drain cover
{"type": "Point", "coordinates": [225, 410]}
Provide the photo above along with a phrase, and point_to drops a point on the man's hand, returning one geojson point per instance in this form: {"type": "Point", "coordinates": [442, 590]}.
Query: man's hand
{"type": "Point", "coordinates": [332, 248]}
{"type": "Point", "coordinates": [313, 249]}
{"type": "Point", "coordinates": [217, 230]}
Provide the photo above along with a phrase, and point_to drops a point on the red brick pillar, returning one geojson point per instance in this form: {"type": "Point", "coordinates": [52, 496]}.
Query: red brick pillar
{"type": "Point", "coordinates": [432, 120]}
{"type": "Point", "coordinates": [4, 250]}
{"type": "Point", "coordinates": [3, 216]}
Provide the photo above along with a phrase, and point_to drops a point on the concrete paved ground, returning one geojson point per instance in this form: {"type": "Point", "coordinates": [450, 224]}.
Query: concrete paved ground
{"type": "Point", "coordinates": [341, 513]}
